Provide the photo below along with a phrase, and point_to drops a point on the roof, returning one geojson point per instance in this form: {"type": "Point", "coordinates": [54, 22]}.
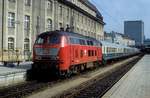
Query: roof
{"type": "Point", "coordinates": [71, 34]}
{"type": "Point", "coordinates": [124, 35]}
{"type": "Point", "coordinates": [98, 18]}
{"type": "Point", "coordinates": [113, 45]}
{"type": "Point", "coordinates": [89, 4]}
{"type": "Point", "coordinates": [92, 7]}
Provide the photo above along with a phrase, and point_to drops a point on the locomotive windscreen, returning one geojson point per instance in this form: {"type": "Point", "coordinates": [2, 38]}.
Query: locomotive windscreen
{"type": "Point", "coordinates": [41, 40]}
{"type": "Point", "coordinates": [49, 39]}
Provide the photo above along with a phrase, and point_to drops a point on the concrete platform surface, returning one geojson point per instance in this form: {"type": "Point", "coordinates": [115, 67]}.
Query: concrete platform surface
{"type": "Point", "coordinates": [135, 84]}
{"type": "Point", "coordinates": [13, 74]}
{"type": "Point", "coordinates": [13, 68]}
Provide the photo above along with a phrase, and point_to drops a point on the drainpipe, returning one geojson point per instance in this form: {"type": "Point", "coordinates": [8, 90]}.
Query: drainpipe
{"type": "Point", "coordinates": [2, 29]}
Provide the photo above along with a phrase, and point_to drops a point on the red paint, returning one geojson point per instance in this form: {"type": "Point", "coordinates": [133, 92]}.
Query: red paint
{"type": "Point", "coordinates": [70, 54]}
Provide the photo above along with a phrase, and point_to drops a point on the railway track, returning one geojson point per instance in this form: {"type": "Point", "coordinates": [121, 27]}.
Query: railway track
{"type": "Point", "coordinates": [97, 87]}
{"type": "Point", "coordinates": [28, 88]}
{"type": "Point", "coordinates": [25, 89]}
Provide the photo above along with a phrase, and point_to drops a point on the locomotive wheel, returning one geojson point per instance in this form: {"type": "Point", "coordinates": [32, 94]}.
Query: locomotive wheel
{"type": "Point", "coordinates": [65, 74]}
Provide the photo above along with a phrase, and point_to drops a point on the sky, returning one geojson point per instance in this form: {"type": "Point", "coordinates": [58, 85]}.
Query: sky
{"type": "Point", "coordinates": [115, 12]}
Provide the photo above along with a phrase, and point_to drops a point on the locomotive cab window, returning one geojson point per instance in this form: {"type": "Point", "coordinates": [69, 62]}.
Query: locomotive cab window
{"type": "Point", "coordinates": [40, 40]}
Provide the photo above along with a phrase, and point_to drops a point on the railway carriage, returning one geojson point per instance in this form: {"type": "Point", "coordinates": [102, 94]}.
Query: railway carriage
{"type": "Point", "coordinates": [114, 51]}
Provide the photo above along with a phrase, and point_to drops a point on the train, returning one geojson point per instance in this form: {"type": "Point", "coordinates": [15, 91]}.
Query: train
{"type": "Point", "coordinates": [65, 53]}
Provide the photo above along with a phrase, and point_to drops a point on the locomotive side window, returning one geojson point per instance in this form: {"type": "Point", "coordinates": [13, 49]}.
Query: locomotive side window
{"type": "Point", "coordinates": [90, 43]}
{"type": "Point", "coordinates": [82, 42]}
{"type": "Point", "coordinates": [77, 41]}
{"type": "Point", "coordinates": [54, 39]}
{"type": "Point", "coordinates": [72, 41]}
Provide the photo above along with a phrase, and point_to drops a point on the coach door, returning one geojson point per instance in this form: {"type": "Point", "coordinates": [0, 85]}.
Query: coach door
{"type": "Point", "coordinates": [75, 50]}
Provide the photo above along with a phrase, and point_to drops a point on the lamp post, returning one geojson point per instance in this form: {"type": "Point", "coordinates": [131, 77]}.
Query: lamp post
{"type": "Point", "coordinates": [2, 28]}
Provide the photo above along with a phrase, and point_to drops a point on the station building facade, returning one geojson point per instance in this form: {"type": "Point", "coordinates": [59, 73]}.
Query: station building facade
{"type": "Point", "coordinates": [22, 20]}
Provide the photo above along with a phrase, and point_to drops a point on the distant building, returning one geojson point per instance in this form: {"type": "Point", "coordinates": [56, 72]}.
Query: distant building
{"type": "Point", "coordinates": [135, 30]}
{"type": "Point", "coordinates": [147, 42]}
{"type": "Point", "coordinates": [108, 37]}
{"type": "Point", "coordinates": [119, 38]}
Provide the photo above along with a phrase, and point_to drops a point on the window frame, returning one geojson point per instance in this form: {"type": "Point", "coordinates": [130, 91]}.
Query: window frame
{"type": "Point", "coordinates": [12, 1]}
{"type": "Point", "coordinates": [11, 43]}
{"type": "Point", "coordinates": [27, 20]}
{"type": "Point", "coordinates": [27, 2]}
{"type": "Point", "coordinates": [11, 19]}
{"type": "Point", "coordinates": [49, 24]}
{"type": "Point", "coordinates": [50, 5]}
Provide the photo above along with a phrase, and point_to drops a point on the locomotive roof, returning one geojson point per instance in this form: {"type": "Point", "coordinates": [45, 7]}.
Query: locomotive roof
{"type": "Point", "coordinates": [70, 34]}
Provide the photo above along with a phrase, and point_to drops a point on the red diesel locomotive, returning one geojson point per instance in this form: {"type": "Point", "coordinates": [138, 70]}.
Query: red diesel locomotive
{"type": "Point", "coordinates": [65, 52]}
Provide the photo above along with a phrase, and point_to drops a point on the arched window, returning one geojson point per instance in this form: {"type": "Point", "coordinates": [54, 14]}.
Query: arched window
{"type": "Point", "coordinates": [60, 11]}
{"type": "Point", "coordinates": [26, 44]}
{"type": "Point", "coordinates": [11, 43]}
{"type": "Point", "coordinates": [49, 24]}
{"type": "Point", "coordinates": [27, 2]}
{"type": "Point", "coordinates": [50, 5]}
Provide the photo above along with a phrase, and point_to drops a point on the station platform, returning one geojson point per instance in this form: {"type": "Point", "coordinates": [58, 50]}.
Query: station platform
{"type": "Point", "coordinates": [135, 84]}
{"type": "Point", "coordinates": [13, 74]}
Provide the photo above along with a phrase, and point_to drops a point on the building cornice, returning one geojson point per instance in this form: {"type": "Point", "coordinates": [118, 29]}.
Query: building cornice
{"type": "Point", "coordinates": [73, 6]}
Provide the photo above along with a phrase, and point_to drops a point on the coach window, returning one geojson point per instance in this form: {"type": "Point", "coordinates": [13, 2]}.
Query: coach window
{"type": "Point", "coordinates": [10, 43]}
